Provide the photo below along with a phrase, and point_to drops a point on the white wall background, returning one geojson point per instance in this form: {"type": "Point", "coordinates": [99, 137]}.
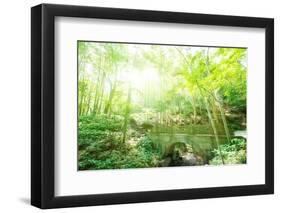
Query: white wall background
{"type": "Point", "coordinates": [15, 105]}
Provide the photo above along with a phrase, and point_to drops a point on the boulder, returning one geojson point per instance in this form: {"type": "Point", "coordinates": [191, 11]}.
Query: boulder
{"type": "Point", "coordinates": [189, 159]}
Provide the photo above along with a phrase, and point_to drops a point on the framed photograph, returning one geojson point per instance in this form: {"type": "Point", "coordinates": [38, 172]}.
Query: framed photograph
{"type": "Point", "coordinates": [139, 106]}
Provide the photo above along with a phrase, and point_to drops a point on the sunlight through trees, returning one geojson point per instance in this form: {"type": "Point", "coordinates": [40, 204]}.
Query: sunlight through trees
{"type": "Point", "coordinates": [145, 105]}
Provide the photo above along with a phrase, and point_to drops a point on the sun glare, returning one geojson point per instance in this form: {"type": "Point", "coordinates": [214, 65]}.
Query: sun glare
{"type": "Point", "coordinates": [143, 106]}
{"type": "Point", "coordinates": [139, 79]}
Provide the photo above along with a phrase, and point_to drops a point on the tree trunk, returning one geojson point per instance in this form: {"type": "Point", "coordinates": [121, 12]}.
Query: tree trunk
{"type": "Point", "coordinates": [81, 97]}
{"type": "Point", "coordinates": [99, 94]}
{"type": "Point", "coordinates": [194, 110]}
{"type": "Point", "coordinates": [97, 87]}
{"type": "Point", "coordinates": [214, 110]}
{"type": "Point", "coordinates": [214, 128]}
{"type": "Point", "coordinates": [99, 107]}
{"type": "Point", "coordinates": [111, 95]}
{"type": "Point", "coordinates": [126, 114]}
{"type": "Point", "coordinates": [88, 105]}
{"type": "Point", "coordinates": [224, 122]}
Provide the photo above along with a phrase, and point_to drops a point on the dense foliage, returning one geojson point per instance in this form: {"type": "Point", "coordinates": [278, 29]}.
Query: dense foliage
{"type": "Point", "coordinates": [233, 152]}
{"type": "Point", "coordinates": [135, 102]}
{"type": "Point", "coordinates": [102, 148]}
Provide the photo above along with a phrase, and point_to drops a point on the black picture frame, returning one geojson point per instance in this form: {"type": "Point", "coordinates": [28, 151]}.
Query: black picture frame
{"type": "Point", "coordinates": [43, 105]}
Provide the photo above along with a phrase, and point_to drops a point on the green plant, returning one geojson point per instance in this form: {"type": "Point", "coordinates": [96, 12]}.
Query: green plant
{"type": "Point", "coordinates": [100, 148]}
{"type": "Point", "coordinates": [232, 153]}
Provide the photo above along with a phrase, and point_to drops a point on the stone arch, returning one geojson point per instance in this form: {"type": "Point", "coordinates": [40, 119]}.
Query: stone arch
{"type": "Point", "coordinates": [175, 146]}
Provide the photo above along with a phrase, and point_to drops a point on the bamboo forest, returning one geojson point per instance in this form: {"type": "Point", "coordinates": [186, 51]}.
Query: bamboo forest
{"type": "Point", "coordinates": [151, 105]}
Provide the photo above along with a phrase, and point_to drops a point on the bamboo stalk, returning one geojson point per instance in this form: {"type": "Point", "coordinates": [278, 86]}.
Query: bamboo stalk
{"type": "Point", "coordinates": [214, 128]}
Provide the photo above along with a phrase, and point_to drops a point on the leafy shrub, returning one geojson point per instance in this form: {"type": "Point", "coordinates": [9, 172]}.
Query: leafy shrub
{"type": "Point", "coordinates": [95, 128]}
{"type": "Point", "coordinates": [232, 153]}
{"type": "Point", "coordinates": [114, 154]}
{"type": "Point", "coordinates": [101, 146]}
